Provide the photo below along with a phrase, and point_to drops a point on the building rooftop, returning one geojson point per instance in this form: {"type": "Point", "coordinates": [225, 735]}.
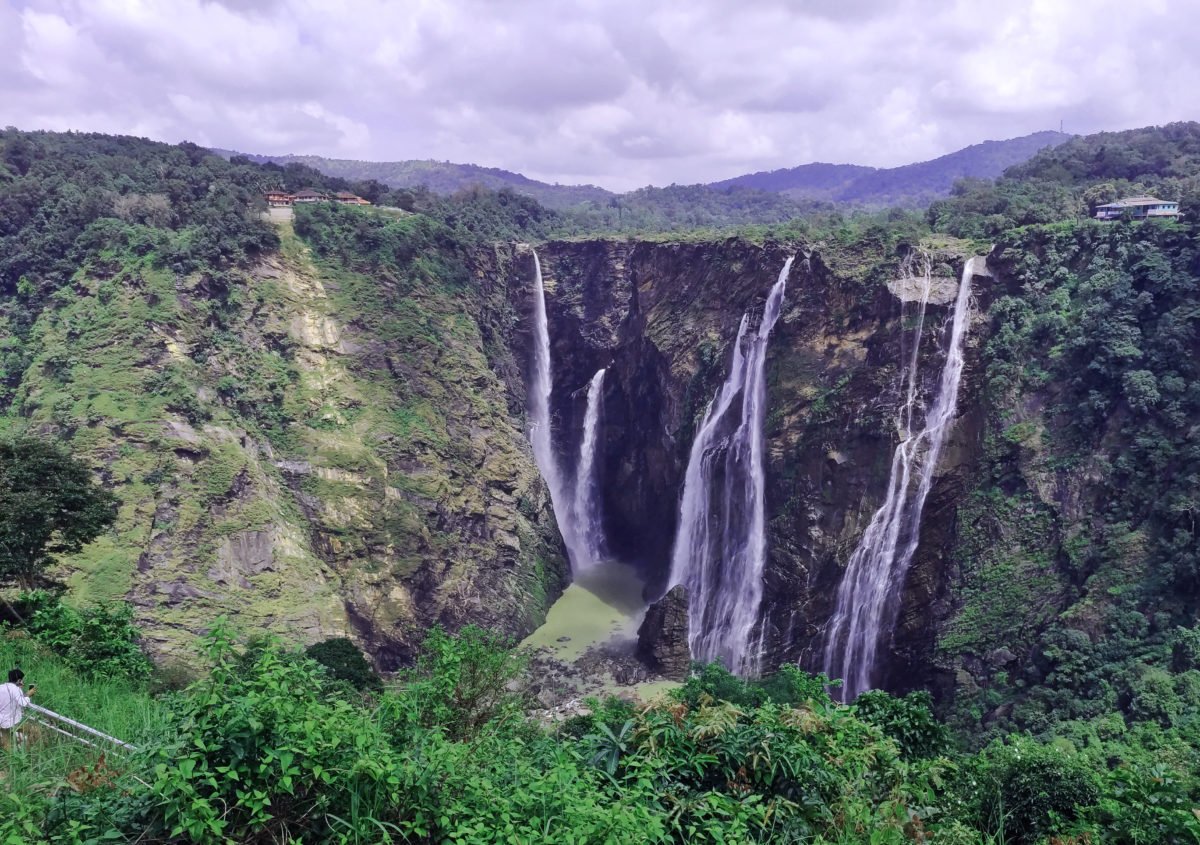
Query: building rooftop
{"type": "Point", "coordinates": [1134, 201]}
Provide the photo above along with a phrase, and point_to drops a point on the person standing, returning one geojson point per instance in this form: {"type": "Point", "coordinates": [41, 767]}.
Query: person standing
{"type": "Point", "coordinates": [13, 701]}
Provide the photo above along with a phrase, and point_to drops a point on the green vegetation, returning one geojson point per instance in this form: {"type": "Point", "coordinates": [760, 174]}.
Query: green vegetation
{"type": "Point", "coordinates": [49, 505]}
{"type": "Point", "coordinates": [1068, 181]}
{"type": "Point", "coordinates": [442, 177]}
{"type": "Point", "coordinates": [1098, 336]}
{"type": "Point", "coordinates": [182, 348]}
{"type": "Point", "coordinates": [277, 409]}
{"type": "Point", "coordinates": [268, 747]}
{"type": "Point", "coordinates": [97, 642]}
{"type": "Point", "coordinates": [345, 662]}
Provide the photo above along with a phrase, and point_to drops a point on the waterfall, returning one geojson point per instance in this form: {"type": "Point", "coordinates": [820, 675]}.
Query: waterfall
{"type": "Point", "coordinates": [869, 595]}
{"type": "Point", "coordinates": [540, 433]}
{"type": "Point", "coordinates": [585, 511]}
{"type": "Point", "coordinates": [720, 547]}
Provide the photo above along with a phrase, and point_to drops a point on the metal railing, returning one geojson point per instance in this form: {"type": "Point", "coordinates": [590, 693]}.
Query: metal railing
{"type": "Point", "coordinates": [71, 729]}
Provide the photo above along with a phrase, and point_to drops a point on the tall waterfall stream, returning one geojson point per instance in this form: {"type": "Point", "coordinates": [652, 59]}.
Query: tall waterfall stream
{"type": "Point", "coordinates": [585, 505]}
{"type": "Point", "coordinates": [575, 508]}
{"type": "Point", "coordinates": [720, 547]}
{"type": "Point", "coordinates": [869, 594]}
{"type": "Point", "coordinates": [540, 432]}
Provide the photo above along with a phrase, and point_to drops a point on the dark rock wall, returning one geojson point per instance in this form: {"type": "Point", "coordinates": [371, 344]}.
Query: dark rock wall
{"type": "Point", "coordinates": [663, 316]}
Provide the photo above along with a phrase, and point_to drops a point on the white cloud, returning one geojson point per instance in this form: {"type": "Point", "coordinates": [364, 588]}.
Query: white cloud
{"type": "Point", "coordinates": [616, 92]}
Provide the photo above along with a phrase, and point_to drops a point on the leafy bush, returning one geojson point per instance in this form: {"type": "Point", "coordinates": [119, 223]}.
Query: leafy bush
{"type": "Point", "coordinates": [1148, 806]}
{"type": "Point", "coordinates": [462, 684]}
{"type": "Point", "coordinates": [790, 685]}
{"type": "Point", "coordinates": [99, 641]}
{"type": "Point", "coordinates": [345, 663]}
{"type": "Point", "coordinates": [1027, 790]}
{"type": "Point", "coordinates": [259, 753]}
{"type": "Point", "coordinates": [908, 720]}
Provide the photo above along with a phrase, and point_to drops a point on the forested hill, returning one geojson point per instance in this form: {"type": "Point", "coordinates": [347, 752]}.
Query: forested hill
{"type": "Point", "coordinates": [1070, 180]}
{"type": "Point", "coordinates": [909, 185]}
{"type": "Point", "coordinates": [817, 180]}
{"type": "Point", "coordinates": [441, 177]}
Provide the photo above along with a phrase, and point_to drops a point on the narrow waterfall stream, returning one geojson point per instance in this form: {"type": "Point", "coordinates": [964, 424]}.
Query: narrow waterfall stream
{"type": "Point", "coordinates": [540, 434]}
{"type": "Point", "coordinates": [869, 594]}
{"type": "Point", "coordinates": [720, 547]}
{"type": "Point", "coordinates": [585, 507]}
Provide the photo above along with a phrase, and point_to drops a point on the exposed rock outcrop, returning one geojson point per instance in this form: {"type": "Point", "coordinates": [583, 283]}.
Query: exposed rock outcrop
{"type": "Point", "coordinates": [663, 636]}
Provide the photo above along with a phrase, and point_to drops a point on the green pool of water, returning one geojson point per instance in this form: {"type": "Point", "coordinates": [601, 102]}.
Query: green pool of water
{"type": "Point", "coordinates": [603, 602]}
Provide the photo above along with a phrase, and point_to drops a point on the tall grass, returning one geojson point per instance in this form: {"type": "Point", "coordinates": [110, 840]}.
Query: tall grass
{"type": "Point", "coordinates": [45, 760]}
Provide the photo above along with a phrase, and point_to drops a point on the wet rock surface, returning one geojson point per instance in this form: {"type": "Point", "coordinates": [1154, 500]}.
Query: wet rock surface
{"type": "Point", "coordinates": [663, 636]}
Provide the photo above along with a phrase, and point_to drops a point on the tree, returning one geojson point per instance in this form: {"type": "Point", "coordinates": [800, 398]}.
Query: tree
{"type": "Point", "coordinates": [49, 505]}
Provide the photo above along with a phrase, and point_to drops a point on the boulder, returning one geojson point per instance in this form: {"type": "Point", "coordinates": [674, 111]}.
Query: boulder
{"type": "Point", "coordinates": [663, 636]}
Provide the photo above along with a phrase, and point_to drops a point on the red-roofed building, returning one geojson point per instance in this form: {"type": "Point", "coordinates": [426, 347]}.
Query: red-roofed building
{"type": "Point", "coordinates": [309, 195]}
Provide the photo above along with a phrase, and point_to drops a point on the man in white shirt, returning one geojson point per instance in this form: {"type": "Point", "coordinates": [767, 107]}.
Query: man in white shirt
{"type": "Point", "coordinates": [13, 701]}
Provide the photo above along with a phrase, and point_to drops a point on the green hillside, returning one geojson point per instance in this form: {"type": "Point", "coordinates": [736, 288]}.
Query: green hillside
{"type": "Point", "coordinates": [441, 177]}
{"type": "Point", "coordinates": [276, 420]}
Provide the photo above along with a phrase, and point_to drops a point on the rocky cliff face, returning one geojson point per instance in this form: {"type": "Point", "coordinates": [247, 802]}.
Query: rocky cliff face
{"type": "Point", "coordinates": [663, 636]}
{"type": "Point", "coordinates": [320, 452]}
{"type": "Point", "coordinates": [308, 450]}
{"type": "Point", "coordinates": [662, 317]}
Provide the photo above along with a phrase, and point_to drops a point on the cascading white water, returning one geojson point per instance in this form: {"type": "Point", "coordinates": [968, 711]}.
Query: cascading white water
{"type": "Point", "coordinates": [540, 434]}
{"type": "Point", "coordinates": [585, 511]}
{"type": "Point", "coordinates": [720, 547]}
{"type": "Point", "coordinates": [868, 597]}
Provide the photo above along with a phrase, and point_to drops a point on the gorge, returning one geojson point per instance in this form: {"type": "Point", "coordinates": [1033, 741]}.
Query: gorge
{"type": "Point", "coordinates": [367, 425]}
{"type": "Point", "coordinates": [455, 518]}
{"type": "Point", "coordinates": [616, 303]}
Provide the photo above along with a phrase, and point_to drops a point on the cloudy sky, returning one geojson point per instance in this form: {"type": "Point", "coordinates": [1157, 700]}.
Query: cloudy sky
{"type": "Point", "coordinates": [619, 93]}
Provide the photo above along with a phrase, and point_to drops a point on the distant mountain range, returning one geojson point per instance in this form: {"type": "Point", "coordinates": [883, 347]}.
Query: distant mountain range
{"type": "Point", "coordinates": [911, 184]}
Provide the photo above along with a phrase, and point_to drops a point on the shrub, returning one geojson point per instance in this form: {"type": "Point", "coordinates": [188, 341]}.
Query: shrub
{"type": "Point", "coordinates": [790, 685]}
{"type": "Point", "coordinates": [1027, 790]}
{"type": "Point", "coordinates": [1148, 806]}
{"type": "Point", "coordinates": [908, 720]}
{"type": "Point", "coordinates": [259, 753]}
{"type": "Point", "coordinates": [99, 641]}
{"type": "Point", "coordinates": [463, 683]}
{"type": "Point", "coordinates": [345, 662]}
